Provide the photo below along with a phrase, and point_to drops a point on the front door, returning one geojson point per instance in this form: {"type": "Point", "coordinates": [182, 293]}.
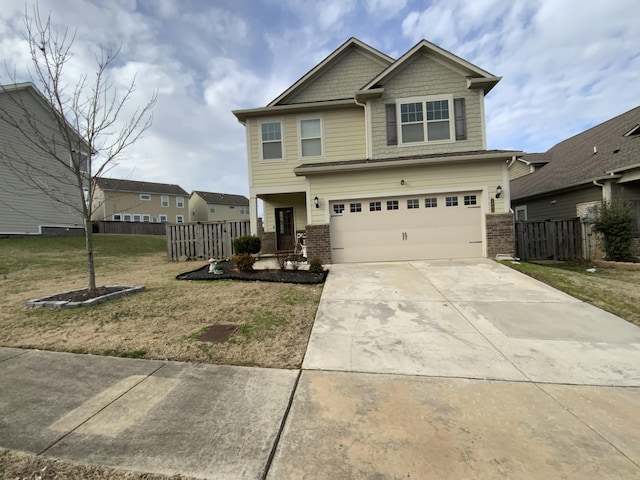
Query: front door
{"type": "Point", "coordinates": [284, 229]}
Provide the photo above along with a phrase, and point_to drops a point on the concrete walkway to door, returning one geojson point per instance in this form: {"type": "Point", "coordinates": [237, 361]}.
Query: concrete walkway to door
{"type": "Point", "coordinates": [461, 369]}
{"type": "Point", "coordinates": [469, 319]}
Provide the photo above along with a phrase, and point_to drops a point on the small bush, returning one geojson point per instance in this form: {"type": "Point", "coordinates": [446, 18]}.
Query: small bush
{"type": "Point", "coordinates": [315, 266]}
{"type": "Point", "coordinates": [616, 222]}
{"type": "Point", "coordinates": [247, 244]}
{"type": "Point", "coordinates": [244, 262]}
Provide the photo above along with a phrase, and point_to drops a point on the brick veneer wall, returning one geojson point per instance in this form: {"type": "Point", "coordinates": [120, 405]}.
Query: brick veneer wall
{"type": "Point", "coordinates": [319, 243]}
{"type": "Point", "coordinates": [500, 234]}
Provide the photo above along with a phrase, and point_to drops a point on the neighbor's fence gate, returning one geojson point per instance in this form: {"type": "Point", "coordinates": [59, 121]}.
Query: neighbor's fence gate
{"type": "Point", "coordinates": [204, 240]}
{"type": "Point", "coordinates": [549, 240]}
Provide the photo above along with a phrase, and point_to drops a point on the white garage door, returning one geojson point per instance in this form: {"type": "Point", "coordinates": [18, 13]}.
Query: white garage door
{"type": "Point", "coordinates": [407, 228]}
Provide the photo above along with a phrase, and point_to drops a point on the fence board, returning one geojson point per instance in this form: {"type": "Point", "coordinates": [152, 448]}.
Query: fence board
{"type": "Point", "coordinates": [549, 240]}
{"type": "Point", "coordinates": [204, 240]}
{"type": "Point", "coordinates": [128, 228]}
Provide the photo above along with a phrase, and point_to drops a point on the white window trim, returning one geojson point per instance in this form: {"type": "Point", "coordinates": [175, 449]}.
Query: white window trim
{"type": "Point", "coordinates": [179, 218]}
{"type": "Point", "coordinates": [119, 215]}
{"type": "Point", "coordinates": [282, 140]}
{"type": "Point", "coordinates": [178, 205]}
{"type": "Point", "coordinates": [162, 218]}
{"type": "Point", "coordinates": [162, 197]}
{"type": "Point", "coordinates": [311, 117]}
{"type": "Point", "coordinates": [424, 100]}
{"type": "Point", "coordinates": [521, 208]}
{"type": "Point", "coordinates": [147, 195]}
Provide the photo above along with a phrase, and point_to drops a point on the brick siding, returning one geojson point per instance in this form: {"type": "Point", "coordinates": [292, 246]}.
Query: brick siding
{"type": "Point", "coordinates": [500, 234]}
{"type": "Point", "coordinates": [319, 243]}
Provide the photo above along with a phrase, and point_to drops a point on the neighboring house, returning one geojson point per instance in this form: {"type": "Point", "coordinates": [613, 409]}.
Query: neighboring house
{"type": "Point", "coordinates": [132, 201]}
{"type": "Point", "coordinates": [213, 207]}
{"type": "Point", "coordinates": [379, 159]}
{"type": "Point", "coordinates": [38, 196]}
{"type": "Point", "coordinates": [527, 164]}
{"type": "Point", "coordinates": [602, 163]}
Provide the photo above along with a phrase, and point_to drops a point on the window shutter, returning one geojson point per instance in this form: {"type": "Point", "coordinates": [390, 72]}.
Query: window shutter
{"type": "Point", "coordinates": [460, 113]}
{"type": "Point", "coordinates": [392, 125]}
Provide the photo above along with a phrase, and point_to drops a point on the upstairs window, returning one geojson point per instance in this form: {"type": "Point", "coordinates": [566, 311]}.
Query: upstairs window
{"type": "Point", "coordinates": [145, 196]}
{"type": "Point", "coordinates": [426, 119]}
{"type": "Point", "coordinates": [271, 141]}
{"type": "Point", "coordinates": [164, 200]}
{"type": "Point", "coordinates": [180, 202]}
{"type": "Point", "coordinates": [311, 137]}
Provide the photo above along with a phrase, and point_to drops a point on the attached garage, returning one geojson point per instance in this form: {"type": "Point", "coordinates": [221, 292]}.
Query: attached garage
{"type": "Point", "coordinates": [418, 227]}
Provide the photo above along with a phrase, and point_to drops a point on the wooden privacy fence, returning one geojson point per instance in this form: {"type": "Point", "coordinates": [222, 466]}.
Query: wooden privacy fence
{"type": "Point", "coordinates": [204, 240]}
{"type": "Point", "coordinates": [549, 240]}
{"type": "Point", "coordinates": [129, 228]}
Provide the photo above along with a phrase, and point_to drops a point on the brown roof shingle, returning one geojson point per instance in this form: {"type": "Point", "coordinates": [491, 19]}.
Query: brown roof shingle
{"type": "Point", "coordinates": [119, 185]}
{"type": "Point", "coordinates": [223, 198]}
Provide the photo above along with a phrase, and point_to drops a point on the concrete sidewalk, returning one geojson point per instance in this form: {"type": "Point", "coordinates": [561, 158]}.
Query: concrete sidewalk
{"type": "Point", "coordinates": [204, 421]}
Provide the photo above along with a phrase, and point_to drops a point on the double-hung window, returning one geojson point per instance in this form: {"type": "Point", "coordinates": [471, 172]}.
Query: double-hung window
{"type": "Point", "coordinates": [164, 200]}
{"type": "Point", "coordinates": [271, 137]}
{"type": "Point", "coordinates": [426, 119]}
{"type": "Point", "coordinates": [180, 202]}
{"type": "Point", "coordinates": [311, 137]}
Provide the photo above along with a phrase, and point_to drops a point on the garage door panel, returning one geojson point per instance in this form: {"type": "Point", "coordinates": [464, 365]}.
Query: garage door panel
{"type": "Point", "coordinates": [408, 234]}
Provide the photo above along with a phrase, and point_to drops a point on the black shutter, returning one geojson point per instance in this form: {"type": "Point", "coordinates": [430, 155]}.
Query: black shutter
{"type": "Point", "coordinates": [460, 113]}
{"type": "Point", "coordinates": [392, 124]}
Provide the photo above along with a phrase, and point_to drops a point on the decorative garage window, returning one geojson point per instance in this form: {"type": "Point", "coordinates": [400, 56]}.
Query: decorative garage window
{"type": "Point", "coordinates": [145, 196]}
{"type": "Point", "coordinates": [470, 200]}
{"type": "Point", "coordinates": [413, 203]}
{"type": "Point", "coordinates": [164, 200]}
{"type": "Point", "coordinates": [431, 202]}
{"type": "Point", "coordinates": [355, 207]}
{"type": "Point", "coordinates": [392, 204]}
{"type": "Point", "coordinates": [375, 206]}
{"type": "Point", "coordinates": [452, 201]}
{"type": "Point", "coordinates": [428, 119]}
{"type": "Point", "coordinates": [311, 137]}
{"type": "Point", "coordinates": [338, 208]}
{"type": "Point", "coordinates": [271, 141]}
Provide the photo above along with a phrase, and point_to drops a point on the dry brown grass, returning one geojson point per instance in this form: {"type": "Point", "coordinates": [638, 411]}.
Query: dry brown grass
{"type": "Point", "coordinates": [162, 322]}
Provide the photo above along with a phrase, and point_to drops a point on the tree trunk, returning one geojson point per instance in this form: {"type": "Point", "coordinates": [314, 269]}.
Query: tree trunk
{"type": "Point", "coordinates": [88, 235]}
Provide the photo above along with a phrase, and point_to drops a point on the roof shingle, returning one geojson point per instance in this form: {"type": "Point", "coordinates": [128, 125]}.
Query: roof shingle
{"type": "Point", "coordinates": [119, 185]}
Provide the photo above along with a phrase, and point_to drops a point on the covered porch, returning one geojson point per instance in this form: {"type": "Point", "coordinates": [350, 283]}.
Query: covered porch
{"type": "Point", "coordinates": [285, 217]}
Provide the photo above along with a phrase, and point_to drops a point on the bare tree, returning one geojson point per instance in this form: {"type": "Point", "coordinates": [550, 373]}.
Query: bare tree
{"type": "Point", "coordinates": [88, 135]}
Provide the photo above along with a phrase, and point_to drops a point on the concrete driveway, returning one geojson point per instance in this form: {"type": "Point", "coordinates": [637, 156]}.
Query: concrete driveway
{"type": "Point", "coordinates": [461, 369]}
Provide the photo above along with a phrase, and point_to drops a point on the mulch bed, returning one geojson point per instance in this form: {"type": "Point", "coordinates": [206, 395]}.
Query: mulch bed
{"type": "Point", "coordinates": [83, 295]}
{"type": "Point", "coordinates": [279, 276]}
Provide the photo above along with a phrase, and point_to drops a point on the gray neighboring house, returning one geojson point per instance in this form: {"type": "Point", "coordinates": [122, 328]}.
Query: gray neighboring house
{"type": "Point", "coordinates": [577, 174]}
{"type": "Point", "coordinates": [29, 178]}
{"type": "Point", "coordinates": [214, 207]}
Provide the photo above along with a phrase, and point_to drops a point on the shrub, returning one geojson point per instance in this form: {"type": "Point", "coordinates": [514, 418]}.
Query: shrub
{"type": "Point", "coordinates": [315, 266]}
{"type": "Point", "coordinates": [244, 262]}
{"type": "Point", "coordinates": [616, 222]}
{"type": "Point", "coordinates": [247, 244]}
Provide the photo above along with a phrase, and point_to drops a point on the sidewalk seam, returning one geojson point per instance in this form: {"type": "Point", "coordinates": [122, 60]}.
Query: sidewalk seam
{"type": "Point", "coordinates": [54, 443]}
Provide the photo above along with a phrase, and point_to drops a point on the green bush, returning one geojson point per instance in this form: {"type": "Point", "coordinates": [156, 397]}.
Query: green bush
{"type": "Point", "coordinates": [315, 266]}
{"type": "Point", "coordinates": [247, 244]}
{"type": "Point", "coordinates": [244, 262]}
{"type": "Point", "coordinates": [616, 222]}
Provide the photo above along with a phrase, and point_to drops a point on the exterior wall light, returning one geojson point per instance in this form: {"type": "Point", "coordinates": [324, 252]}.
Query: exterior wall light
{"type": "Point", "coordinates": [498, 191]}
{"type": "Point", "coordinates": [316, 202]}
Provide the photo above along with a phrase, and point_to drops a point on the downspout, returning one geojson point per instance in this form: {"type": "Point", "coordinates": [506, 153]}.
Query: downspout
{"type": "Point", "coordinates": [366, 124]}
{"type": "Point", "coordinates": [603, 186]}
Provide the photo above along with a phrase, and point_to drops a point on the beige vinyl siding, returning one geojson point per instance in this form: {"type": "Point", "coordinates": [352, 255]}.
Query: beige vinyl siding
{"type": "Point", "coordinates": [344, 139]}
{"type": "Point", "coordinates": [519, 169]}
{"type": "Point", "coordinates": [130, 203]}
{"type": "Point", "coordinates": [423, 77]}
{"type": "Point", "coordinates": [24, 206]}
{"type": "Point", "coordinates": [418, 180]}
{"type": "Point", "coordinates": [348, 74]}
{"type": "Point", "coordinates": [201, 211]}
{"type": "Point", "coordinates": [198, 209]}
{"type": "Point", "coordinates": [295, 200]}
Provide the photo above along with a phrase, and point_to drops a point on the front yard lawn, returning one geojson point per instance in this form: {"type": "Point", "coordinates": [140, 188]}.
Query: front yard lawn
{"type": "Point", "coordinates": [274, 319]}
{"type": "Point", "coordinates": [613, 287]}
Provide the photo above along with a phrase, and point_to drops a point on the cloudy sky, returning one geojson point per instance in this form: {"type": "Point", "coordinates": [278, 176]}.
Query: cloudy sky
{"type": "Point", "coordinates": [567, 65]}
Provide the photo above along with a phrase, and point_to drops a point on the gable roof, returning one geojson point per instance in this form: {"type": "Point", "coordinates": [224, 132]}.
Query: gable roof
{"type": "Point", "coordinates": [222, 198]}
{"type": "Point", "coordinates": [595, 154]}
{"type": "Point", "coordinates": [476, 77]}
{"type": "Point", "coordinates": [132, 186]}
{"type": "Point", "coordinates": [315, 72]}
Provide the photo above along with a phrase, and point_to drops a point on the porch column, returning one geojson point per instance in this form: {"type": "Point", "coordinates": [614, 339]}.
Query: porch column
{"type": "Point", "coordinates": [253, 215]}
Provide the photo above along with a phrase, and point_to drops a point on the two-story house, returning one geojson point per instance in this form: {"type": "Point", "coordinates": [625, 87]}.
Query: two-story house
{"type": "Point", "coordinates": [39, 194]}
{"type": "Point", "coordinates": [133, 201]}
{"type": "Point", "coordinates": [377, 159]}
{"type": "Point", "coordinates": [217, 207]}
